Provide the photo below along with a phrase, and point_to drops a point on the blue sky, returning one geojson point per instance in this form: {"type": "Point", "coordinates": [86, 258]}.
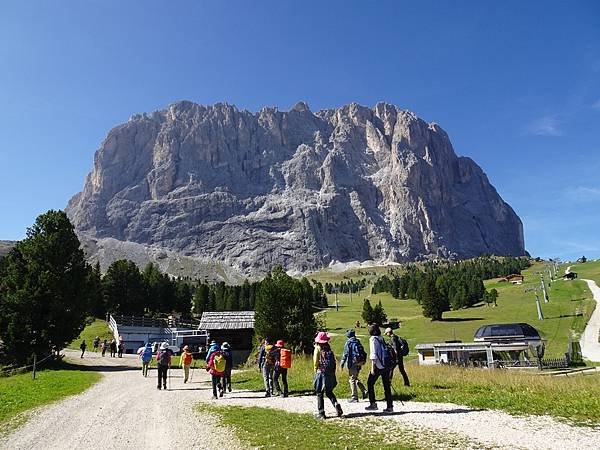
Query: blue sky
{"type": "Point", "coordinates": [515, 84]}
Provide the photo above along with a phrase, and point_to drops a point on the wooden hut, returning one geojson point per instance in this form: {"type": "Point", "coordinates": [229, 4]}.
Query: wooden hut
{"type": "Point", "coordinates": [234, 327]}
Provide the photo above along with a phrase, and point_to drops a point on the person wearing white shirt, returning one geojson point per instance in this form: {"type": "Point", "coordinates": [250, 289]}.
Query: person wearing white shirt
{"type": "Point", "coordinates": [378, 369]}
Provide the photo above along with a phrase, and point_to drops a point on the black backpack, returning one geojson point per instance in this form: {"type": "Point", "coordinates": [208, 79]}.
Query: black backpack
{"type": "Point", "coordinates": [359, 355]}
{"type": "Point", "coordinates": [402, 347]}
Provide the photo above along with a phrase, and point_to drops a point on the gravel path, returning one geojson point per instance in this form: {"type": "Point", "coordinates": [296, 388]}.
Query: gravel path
{"type": "Point", "coordinates": [590, 347]}
{"type": "Point", "coordinates": [477, 428]}
{"type": "Point", "coordinates": [124, 411]}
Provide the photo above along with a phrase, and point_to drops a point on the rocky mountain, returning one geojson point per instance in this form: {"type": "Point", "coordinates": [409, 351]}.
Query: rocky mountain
{"type": "Point", "coordinates": [6, 247]}
{"type": "Point", "coordinates": [247, 191]}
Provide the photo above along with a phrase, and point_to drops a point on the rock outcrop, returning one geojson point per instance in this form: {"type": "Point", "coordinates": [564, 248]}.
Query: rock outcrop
{"type": "Point", "coordinates": [296, 188]}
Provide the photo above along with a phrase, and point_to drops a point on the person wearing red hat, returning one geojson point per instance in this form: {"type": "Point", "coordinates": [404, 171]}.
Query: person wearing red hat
{"type": "Point", "coordinates": [325, 364]}
{"type": "Point", "coordinates": [280, 371]}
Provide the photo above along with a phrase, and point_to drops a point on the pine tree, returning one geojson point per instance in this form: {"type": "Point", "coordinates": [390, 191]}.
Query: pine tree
{"type": "Point", "coordinates": [379, 315]}
{"type": "Point", "coordinates": [44, 289]}
{"type": "Point", "coordinates": [367, 313]}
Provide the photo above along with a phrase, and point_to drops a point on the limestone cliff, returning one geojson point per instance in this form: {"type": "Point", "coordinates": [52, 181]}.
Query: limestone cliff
{"type": "Point", "coordinates": [295, 188]}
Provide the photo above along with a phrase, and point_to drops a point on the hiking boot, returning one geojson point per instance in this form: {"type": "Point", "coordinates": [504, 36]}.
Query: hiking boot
{"type": "Point", "coordinates": [389, 409]}
{"type": "Point", "coordinates": [338, 409]}
{"type": "Point", "coordinates": [158, 387]}
{"type": "Point", "coordinates": [164, 386]}
{"type": "Point", "coordinates": [371, 407]}
{"type": "Point", "coordinates": [214, 397]}
{"type": "Point", "coordinates": [285, 395]}
{"type": "Point", "coordinates": [221, 392]}
{"type": "Point", "coordinates": [320, 416]}
{"type": "Point", "coordinates": [229, 389]}
{"type": "Point", "coordinates": [267, 394]}
{"type": "Point", "coordinates": [353, 400]}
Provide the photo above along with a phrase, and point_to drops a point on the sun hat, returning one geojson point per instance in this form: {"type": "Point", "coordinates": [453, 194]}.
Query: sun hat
{"type": "Point", "coordinates": [322, 338]}
{"type": "Point", "coordinates": [225, 346]}
{"type": "Point", "coordinates": [350, 333]}
{"type": "Point", "coordinates": [280, 343]}
{"type": "Point", "coordinates": [164, 346]}
{"type": "Point", "coordinates": [388, 330]}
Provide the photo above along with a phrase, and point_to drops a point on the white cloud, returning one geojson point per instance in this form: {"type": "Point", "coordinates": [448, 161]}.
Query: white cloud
{"type": "Point", "coordinates": [546, 126]}
{"type": "Point", "coordinates": [583, 193]}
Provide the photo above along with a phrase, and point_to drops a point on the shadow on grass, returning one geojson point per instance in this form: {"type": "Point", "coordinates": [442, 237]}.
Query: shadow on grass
{"type": "Point", "coordinates": [460, 319]}
{"type": "Point", "coordinates": [399, 413]}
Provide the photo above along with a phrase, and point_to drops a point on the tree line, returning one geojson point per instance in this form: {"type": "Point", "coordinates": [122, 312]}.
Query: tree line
{"type": "Point", "coordinates": [439, 287]}
{"type": "Point", "coordinates": [47, 289]}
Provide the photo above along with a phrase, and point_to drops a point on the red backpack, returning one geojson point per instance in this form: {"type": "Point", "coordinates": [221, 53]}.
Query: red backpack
{"type": "Point", "coordinates": [285, 358]}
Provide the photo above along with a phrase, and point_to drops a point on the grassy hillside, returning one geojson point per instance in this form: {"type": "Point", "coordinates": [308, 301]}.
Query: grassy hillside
{"type": "Point", "coordinates": [589, 270]}
{"type": "Point", "coordinates": [568, 310]}
{"type": "Point", "coordinates": [99, 328]}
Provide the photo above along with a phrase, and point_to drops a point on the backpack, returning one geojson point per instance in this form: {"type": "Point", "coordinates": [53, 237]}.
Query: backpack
{"type": "Point", "coordinates": [270, 355]}
{"type": "Point", "coordinates": [164, 357]}
{"type": "Point", "coordinates": [186, 358]}
{"type": "Point", "coordinates": [327, 361]}
{"type": "Point", "coordinates": [387, 353]}
{"type": "Point", "coordinates": [359, 356]}
{"type": "Point", "coordinates": [285, 358]}
{"type": "Point", "coordinates": [219, 363]}
{"type": "Point", "coordinates": [147, 354]}
{"type": "Point", "coordinates": [403, 347]}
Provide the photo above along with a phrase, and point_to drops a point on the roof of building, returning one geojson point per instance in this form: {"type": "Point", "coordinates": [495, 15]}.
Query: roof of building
{"type": "Point", "coordinates": [227, 320]}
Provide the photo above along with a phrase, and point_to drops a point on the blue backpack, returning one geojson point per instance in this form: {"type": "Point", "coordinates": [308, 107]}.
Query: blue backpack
{"type": "Point", "coordinates": [387, 354]}
{"type": "Point", "coordinates": [147, 354]}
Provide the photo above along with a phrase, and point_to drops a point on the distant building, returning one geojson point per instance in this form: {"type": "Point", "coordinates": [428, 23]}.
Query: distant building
{"type": "Point", "coordinates": [513, 279]}
{"type": "Point", "coordinates": [235, 327]}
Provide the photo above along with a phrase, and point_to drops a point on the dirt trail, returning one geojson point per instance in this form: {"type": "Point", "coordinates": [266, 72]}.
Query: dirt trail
{"type": "Point", "coordinates": [590, 347]}
{"type": "Point", "coordinates": [124, 411]}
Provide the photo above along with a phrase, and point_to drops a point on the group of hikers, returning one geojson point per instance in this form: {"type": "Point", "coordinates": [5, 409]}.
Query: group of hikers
{"type": "Point", "coordinates": [115, 349]}
{"type": "Point", "coordinates": [219, 361]}
{"type": "Point", "coordinates": [275, 360]}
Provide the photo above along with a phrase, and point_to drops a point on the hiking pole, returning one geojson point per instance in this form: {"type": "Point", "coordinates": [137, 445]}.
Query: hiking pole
{"type": "Point", "coordinates": [192, 376]}
{"type": "Point", "coordinates": [396, 393]}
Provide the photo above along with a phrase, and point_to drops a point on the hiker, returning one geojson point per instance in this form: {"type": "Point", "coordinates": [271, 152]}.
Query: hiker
{"type": "Point", "coordinates": [260, 354]}
{"type": "Point", "coordinates": [216, 367]}
{"type": "Point", "coordinates": [324, 382]}
{"type": "Point", "coordinates": [354, 357]}
{"type": "Point", "coordinates": [266, 360]}
{"type": "Point", "coordinates": [146, 357]}
{"type": "Point", "coordinates": [226, 351]}
{"type": "Point", "coordinates": [283, 361]}
{"type": "Point", "coordinates": [96, 343]}
{"type": "Point", "coordinates": [113, 348]}
{"type": "Point", "coordinates": [163, 361]}
{"type": "Point", "coordinates": [380, 367]}
{"type": "Point", "coordinates": [357, 324]}
{"type": "Point", "coordinates": [400, 346]}
{"type": "Point", "coordinates": [121, 348]}
{"type": "Point", "coordinates": [83, 346]}
{"type": "Point", "coordinates": [185, 362]}
{"type": "Point", "coordinates": [213, 348]}
{"type": "Point", "coordinates": [103, 347]}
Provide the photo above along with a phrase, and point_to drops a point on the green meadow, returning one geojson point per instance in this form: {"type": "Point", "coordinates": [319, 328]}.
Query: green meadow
{"type": "Point", "coordinates": [19, 393]}
{"type": "Point", "coordinates": [589, 270]}
{"type": "Point", "coordinates": [99, 328]}
{"type": "Point", "coordinates": [565, 315]}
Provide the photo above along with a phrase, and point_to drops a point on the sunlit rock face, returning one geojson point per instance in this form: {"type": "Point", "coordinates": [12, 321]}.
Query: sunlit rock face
{"type": "Point", "coordinates": [291, 188]}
